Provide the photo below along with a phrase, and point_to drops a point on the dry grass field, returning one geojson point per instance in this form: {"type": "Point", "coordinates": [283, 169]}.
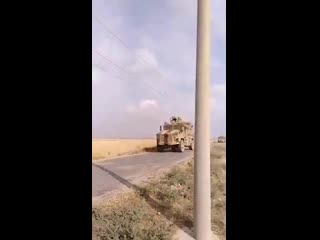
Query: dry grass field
{"type": "Point", "coordinates": [108, 148]}
{"type": "Point", "coordinates": [156, 210]}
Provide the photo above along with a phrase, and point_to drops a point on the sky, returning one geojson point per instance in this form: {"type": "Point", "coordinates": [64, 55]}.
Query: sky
{"type": "Point", "coordinates": [144, 66]}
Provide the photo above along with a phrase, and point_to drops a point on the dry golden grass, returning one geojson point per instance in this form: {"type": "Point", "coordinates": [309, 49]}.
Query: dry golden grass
{"type": "Point", "coordinates": [129, 216]}
{"type": "Point", "coordinates": [175, 192]}
{"type": "Point", "coordinates": [108, 148]}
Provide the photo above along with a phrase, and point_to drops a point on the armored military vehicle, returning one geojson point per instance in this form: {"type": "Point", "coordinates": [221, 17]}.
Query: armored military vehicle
{"type": "Point", "coordinates": [221, 139]}
{"type": "Point", "coordinates": [176, 135]}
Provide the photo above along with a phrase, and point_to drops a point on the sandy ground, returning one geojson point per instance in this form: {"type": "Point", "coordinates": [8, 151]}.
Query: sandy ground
{"type": "Point", "coordinates": [109, 148]}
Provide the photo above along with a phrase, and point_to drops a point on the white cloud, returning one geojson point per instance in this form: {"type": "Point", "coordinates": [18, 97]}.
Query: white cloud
{"type": "Point", "coordinates": [145, 104]}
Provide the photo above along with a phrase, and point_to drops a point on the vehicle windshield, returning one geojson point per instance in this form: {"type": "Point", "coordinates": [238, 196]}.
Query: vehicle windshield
{"type": "Point", "coordinates": [171, 127]}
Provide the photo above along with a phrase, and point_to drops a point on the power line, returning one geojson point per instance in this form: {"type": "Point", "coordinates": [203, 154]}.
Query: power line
{"type": "Point", "coordinates": [103, 69]}
{"type": "Point", "coordinates": [111, 62]}
{"type": "Point", "coordinates": [121, 68]}
{"type": "Point", "coordinates": [126, 46]}
{"type": "Point", "coordinates": [117, 77]}
{"type": "Point", "coordinates": [110, 32]}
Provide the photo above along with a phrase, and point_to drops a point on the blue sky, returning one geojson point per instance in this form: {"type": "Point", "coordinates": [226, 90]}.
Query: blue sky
{"type": "Point", "coordinates": [157, 75]}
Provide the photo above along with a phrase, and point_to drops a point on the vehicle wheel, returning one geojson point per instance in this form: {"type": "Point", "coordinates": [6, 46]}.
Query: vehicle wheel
{"type": "Point", "coordinates": [159, 149]}
{"type": "Point", "coordinates": [191, 146]}
{"type": "Point", "coordinates": [181, 146]}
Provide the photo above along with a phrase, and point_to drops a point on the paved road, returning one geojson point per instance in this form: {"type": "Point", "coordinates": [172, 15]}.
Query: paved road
{"type": "Point", "coordinates": [110, 175]}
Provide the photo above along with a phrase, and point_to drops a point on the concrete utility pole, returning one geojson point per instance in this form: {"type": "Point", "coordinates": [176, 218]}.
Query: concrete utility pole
{"type": "Point", "coordinates": [202, 201]}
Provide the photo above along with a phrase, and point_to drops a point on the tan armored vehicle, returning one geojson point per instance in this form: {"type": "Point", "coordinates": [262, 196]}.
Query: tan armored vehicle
{"type": "Point", "coordinates": [221, 139]}
{"type": "Point", "coordinates": [176, 135]}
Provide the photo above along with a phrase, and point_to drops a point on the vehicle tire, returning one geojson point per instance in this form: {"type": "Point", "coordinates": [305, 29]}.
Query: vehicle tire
{"type": "Point", "coordinates": [191, 146]}
{"type": "Point", "coordinates": [159, 149]}
{"type": "Point", "coordinates": [181, 146]}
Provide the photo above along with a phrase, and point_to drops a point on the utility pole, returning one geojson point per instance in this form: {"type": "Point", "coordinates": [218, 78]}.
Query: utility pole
{"type": "Point", "coordinates": [202, 184]}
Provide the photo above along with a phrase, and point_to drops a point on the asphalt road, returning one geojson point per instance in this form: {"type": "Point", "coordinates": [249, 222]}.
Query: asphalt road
{"type": "Point", "coordinates": [113, 174]}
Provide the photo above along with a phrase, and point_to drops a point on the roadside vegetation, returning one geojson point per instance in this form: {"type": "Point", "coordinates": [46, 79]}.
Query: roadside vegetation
{"type": "Point", "coordinates": [158, 209]}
